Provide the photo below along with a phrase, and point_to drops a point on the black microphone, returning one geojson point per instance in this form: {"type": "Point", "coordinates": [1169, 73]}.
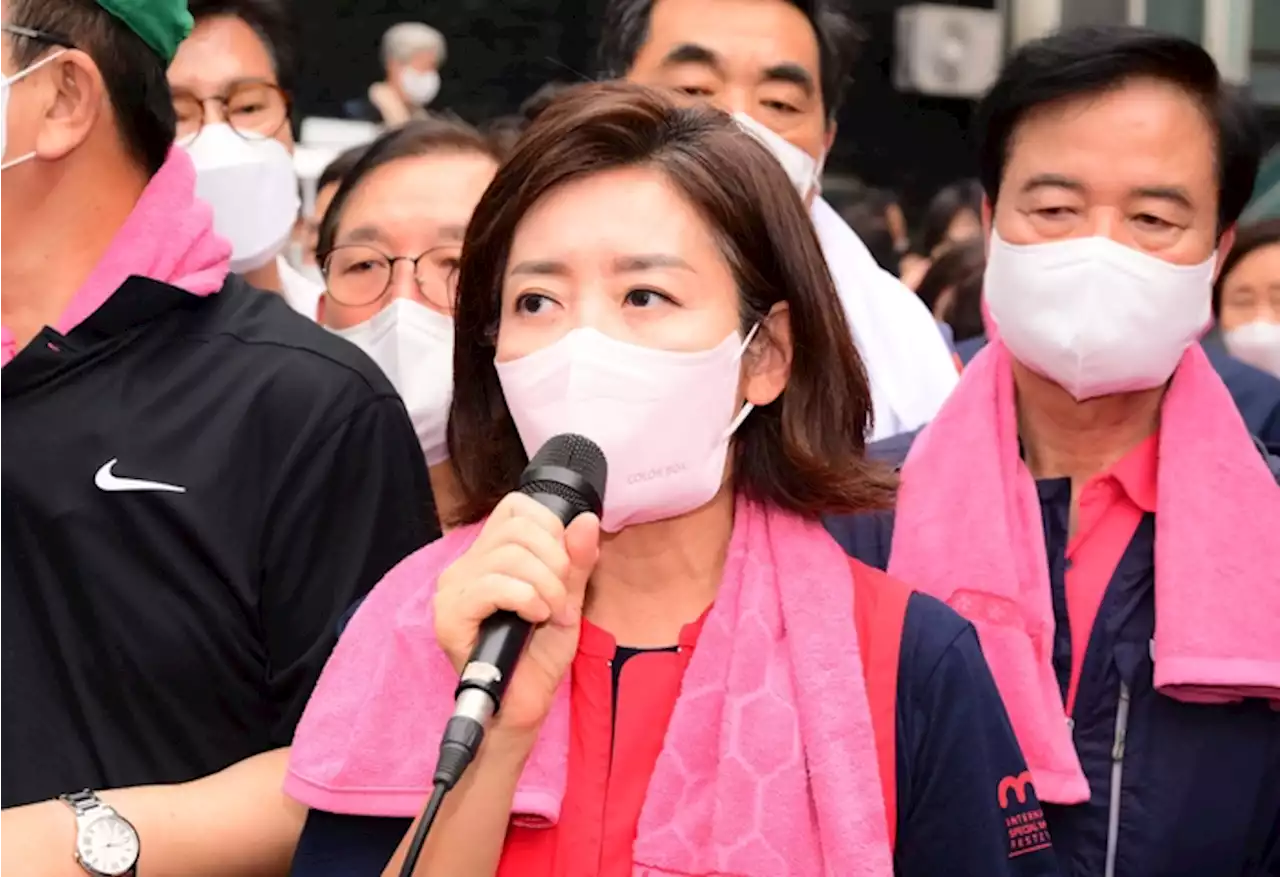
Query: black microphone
{"type": "Point", "coordinates": [568, 477]}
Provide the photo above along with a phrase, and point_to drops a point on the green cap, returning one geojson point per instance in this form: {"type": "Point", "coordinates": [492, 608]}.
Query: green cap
{"type": "Point", "coordinates": [162, 24]}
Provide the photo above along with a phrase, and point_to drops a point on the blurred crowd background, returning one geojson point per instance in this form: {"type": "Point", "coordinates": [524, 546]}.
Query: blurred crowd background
{"type": "Point", "coordinates": [905, 120]}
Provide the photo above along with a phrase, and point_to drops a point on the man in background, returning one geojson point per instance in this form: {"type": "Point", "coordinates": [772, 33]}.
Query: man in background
{"type": "Point", "coordinates": [1089, 497]}
{"type": "Point", "coordinates": [780, 67]}
{"type": "Point", "coordinates": [231, 81]}
{"type": "Point", "coordinates": [412, 55]}
{"type": "Point", "coordinates": [197, 484]}
{"type": "Point", "coordinates": [307, 234]}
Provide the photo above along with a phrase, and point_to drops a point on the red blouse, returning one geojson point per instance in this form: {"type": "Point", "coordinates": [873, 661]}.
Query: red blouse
{"type": "Point", "coordinates": [610, 760]}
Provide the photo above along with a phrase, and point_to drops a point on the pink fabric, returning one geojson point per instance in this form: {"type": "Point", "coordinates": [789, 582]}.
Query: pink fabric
{"type": "Point", "coordinates": [168, 237]}
{"type": "Point", "coordinates": [764, 772]}
{"type": "Point", "coordinates": [969, 532]}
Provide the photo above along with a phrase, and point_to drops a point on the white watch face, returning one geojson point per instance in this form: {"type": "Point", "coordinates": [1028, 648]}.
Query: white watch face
{"type": "Point", "coordinates": [108, 845]}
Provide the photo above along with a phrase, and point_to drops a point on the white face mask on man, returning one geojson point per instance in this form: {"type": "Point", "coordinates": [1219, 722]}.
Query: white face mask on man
{"type": "Point", "coordinates": [1094, 316]}
{"type": "Point", "coordinates": [1257, 343]}
{"type": "Point", "coordinates": [413, 345]}
{"type": "Point", "coordinates": [419, 86]}
{"type": "Point", "coordinates": [804, 171]}
{"type": "Point", "coordinates": [252, 187]}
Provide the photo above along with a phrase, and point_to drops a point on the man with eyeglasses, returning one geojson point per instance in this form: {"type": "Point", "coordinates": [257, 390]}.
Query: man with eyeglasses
{"type": "Point", "coordinates": [197, 484]}
{"type": "Point", "coordinates": [230, 81]}
{"type": "Point", "coordinates": [389, 246]}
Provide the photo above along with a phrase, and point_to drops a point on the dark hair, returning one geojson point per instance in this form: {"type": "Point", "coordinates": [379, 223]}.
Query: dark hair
{"type": "Point", "coordinates": [270, 20]}
{"type": "Point", "coordinates": [133, 74]}
{"type": "Point", "coordinates": [879, 199]}
{"type": "Point", "coordinates": [943, 208]}
{"type": "Point", "coordinates": [1248, 239]}
{"type": "Point", "coordinates": [868, 217]}
{"type": "Point", "coordinates": [804, 452]}
{"type": "Point", "coordinates": [534, 104]}
{"type": "Point", "coordinates": [505, 131]}
{"type": "Point", "coordinates": [414, 139]}
{"type": "Point", "coordinates": [341, 167]}
{"type": "Point", "coordinates": [1092, 60]}
{"type": "Point", "coordinates": [625, 27]}
{"type": "Point", "coordinates": [959, 269]}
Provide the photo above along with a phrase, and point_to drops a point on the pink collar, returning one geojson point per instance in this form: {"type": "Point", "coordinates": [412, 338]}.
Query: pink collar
{"type": "Point", "coordinates": [168, 237]}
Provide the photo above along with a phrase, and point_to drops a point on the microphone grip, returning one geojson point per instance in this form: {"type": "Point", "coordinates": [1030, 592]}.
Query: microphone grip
{"type": "Point", "coordinates": [501, 639]}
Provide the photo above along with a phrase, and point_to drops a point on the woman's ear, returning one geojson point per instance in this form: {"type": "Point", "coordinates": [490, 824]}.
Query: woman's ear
{"type": "Point", "coordinates": [768, 358]}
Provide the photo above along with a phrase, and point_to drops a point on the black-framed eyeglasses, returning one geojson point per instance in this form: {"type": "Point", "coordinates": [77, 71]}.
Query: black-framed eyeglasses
{"type": "Point", "coordinates": [40, 36]}
{"type": "Point", "coordinates": [358, 274]}
{"type": "Point", "coordinates": [254, 110]}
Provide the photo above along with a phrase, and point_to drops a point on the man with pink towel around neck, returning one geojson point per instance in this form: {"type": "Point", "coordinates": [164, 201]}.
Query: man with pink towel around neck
{"type": "Point", "coordinates": [1090, 497]}
{"type": "Point", "coordinates": [197, 481]}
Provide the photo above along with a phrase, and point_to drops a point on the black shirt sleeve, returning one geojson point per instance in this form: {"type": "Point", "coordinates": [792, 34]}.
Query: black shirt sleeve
{"type": "Point", "coordinates": [966, 807]}
{"type": "Point", "coordinates": [337, 845]}
{"type": "Point", "coordinates": [356, 502]}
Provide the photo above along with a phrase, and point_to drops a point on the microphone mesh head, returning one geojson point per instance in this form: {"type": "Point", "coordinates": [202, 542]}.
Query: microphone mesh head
{"type": "Point", "coordinates": [576, 453]}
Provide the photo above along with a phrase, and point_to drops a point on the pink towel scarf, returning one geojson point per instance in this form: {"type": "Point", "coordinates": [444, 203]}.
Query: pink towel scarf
{"type": "Point", "coordinates": [168, 237]}
{"type": "Point", "coordinates": [763, 773]}
{"type": "Point", "coordinates": [969, 532]}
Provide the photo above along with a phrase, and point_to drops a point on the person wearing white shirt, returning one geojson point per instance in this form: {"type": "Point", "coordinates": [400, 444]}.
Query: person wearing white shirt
{"type": "Point", "coordinates": [779, 68]}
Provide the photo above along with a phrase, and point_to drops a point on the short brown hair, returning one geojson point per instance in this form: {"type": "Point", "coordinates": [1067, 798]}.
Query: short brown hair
{"type": "Point", "coordinates": [804, 452]}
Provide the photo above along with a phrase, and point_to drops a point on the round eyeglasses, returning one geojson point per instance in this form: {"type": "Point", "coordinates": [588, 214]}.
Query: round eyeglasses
{"type": "Point", "coordinates": [358, 274]}
{"type": "Point", "coordinates": [254, 110]}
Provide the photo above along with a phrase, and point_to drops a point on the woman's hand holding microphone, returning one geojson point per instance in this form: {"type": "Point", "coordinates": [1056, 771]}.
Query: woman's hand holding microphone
{"type": "Point", "coordinates": [527, 562]}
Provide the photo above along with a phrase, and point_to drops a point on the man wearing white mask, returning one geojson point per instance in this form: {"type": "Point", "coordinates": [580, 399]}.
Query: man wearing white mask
{"type": "Point", "coordinates": [412, 55]}
{"type": "Point", "coordinates": [230, 82]}
{"type": "Point", "coordinates": [1090, 497]}
{"type": "Point", "coordinates": [389, 247]}
{"type": "Point", "coordinates": [780, 66]}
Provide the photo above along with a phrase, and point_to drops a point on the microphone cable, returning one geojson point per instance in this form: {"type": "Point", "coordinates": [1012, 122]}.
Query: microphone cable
{"type": "Point", "coordinates": [424, 828]}
{"type": "Point", "coordinates": [462, 739]}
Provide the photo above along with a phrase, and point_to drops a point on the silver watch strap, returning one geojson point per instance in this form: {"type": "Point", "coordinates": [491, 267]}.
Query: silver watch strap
{"type": "Point", "coordinates": [87, 805]}
{"type": "Point", "coordinates": [82, 802]}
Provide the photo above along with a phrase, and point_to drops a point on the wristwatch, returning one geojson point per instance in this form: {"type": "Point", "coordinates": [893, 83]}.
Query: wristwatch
{"type": "Point", "coordinates": [107, 844]}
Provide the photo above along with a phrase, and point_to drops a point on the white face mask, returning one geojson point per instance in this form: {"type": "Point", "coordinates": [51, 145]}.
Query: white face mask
{"type": "Point", "coordinates": [804, 171]}
{"type": "Point", "coordinates": [663, 418]}
{"type": "Point", "coordinates": [1257, 343]}
{"type": "Point", "coordinates": [420, 86]}
{"type": "Point", "coordinates": [413, 345]}
{"type": "Point", "coordinates": [252, 188]}
{"type": "Point", "coordinates": [312, 274]}
{"type": "Point", "coordinates": [309, 270]}
{"type": "Point", "coordinates": [5, 84]}
{"type": "Point", "coordinates": [1094, 316]}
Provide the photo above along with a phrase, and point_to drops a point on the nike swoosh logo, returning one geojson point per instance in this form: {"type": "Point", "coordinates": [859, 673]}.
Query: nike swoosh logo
{"type": "Point", "coordinates": [109, 482]}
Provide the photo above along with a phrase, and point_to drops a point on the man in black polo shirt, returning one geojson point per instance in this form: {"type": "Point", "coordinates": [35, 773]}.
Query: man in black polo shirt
{"type": "Point", "coordinates": [196, 482]}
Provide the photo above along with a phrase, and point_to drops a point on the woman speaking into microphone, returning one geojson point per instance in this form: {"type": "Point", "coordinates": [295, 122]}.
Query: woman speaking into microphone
{"type": "Point", "coordinates": [712, 687]}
